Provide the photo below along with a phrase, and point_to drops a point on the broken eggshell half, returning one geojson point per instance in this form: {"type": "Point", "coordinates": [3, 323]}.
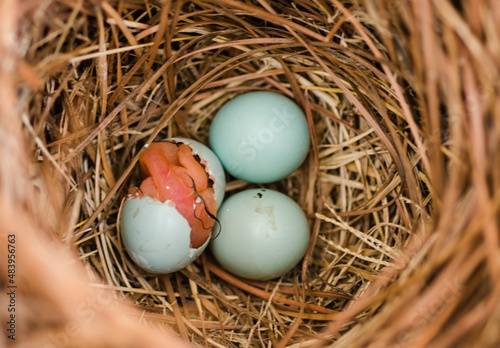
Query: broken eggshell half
{"type": "Point", "coordinates": [167, 221]}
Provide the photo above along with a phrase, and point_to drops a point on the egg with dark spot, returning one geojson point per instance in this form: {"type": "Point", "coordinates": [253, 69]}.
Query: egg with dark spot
{"type": "Point", "coordinates": [264, 234]}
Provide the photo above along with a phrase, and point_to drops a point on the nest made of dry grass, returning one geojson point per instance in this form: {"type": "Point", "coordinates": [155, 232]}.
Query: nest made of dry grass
{"type": "Point", "coordinates": [399, 186]}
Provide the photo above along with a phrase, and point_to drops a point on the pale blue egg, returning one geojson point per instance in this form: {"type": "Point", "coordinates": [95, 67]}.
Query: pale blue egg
{"type": "Point", "coordinates": [260, 137]}
{"type": "Point", "coordinates": [263, 235]}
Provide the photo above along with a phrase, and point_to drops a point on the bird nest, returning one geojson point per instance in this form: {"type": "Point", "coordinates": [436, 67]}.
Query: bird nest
{"type": "Point", "coordinates": [400, 186]}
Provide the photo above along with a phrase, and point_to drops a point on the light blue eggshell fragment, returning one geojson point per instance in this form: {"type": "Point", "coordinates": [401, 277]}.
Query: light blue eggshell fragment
{"type": "Point", "coordinates": [156, 235]}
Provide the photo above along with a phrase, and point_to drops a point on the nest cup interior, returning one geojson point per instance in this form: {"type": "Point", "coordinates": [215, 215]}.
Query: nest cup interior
{"type": "Point", "coordinates": [132, 73]}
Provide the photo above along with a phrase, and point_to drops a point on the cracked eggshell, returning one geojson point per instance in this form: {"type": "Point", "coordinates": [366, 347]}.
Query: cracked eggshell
{"type": "Point", "coordinates": [213, 165]}
{"type": "Point", "coordinates": [156, 235]}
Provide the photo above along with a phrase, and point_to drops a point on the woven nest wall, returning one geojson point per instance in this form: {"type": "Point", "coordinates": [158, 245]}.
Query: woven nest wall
{"type": "Point", "coordinates": [400, 186]}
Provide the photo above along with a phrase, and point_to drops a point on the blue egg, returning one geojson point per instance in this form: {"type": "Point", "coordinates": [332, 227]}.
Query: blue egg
{"type": "Point", "coordinates": [260, 137]}
{"type": "Point", "coordinates": [264, 234]}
